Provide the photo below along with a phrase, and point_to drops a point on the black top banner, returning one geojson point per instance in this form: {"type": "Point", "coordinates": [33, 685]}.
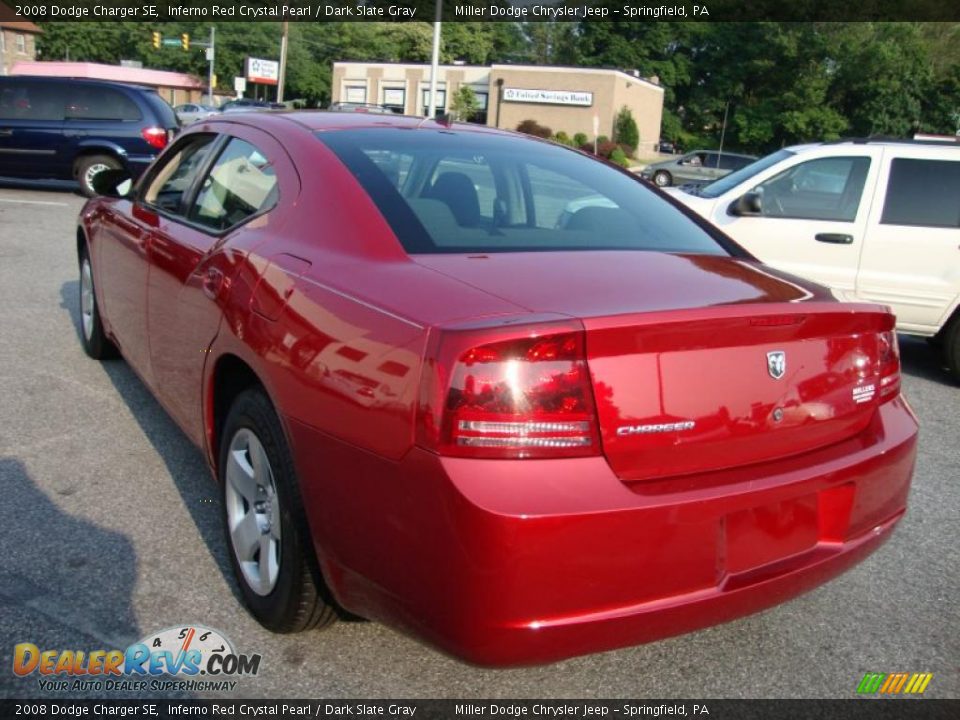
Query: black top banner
{"type": "Point", "coordinates": [478, 10]}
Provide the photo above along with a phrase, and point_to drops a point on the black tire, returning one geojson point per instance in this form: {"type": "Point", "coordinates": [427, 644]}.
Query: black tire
{"type": "Point", "coordinates": [296, 599]}
{"type": "Point", "coordinates": [951, 348]}
{"type": "Point", "coordinates": [95, 342]}
{"type": "Point", "coordinates": [661, 178]}
{"type": "Point", "coordinates": [87, 166]}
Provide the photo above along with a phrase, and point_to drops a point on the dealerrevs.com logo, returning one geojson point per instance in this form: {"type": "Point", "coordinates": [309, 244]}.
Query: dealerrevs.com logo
{"type": "Point", "coordinates": [200, 657]}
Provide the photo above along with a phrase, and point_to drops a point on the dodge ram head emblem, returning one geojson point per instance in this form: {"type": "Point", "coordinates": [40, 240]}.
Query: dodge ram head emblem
{"type": "Point", "coordinates": [776, 363]}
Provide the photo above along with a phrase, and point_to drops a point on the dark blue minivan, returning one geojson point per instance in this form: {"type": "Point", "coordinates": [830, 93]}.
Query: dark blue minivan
{"type": "Point", "coordinates": [61, 128]}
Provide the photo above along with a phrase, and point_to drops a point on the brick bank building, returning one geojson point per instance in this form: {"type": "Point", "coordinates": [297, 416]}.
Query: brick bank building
{"type": "Point", "coordinates": [562, 98]}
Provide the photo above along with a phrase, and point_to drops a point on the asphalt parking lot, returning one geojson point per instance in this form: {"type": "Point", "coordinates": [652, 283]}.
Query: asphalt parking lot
{"type": "Point", "coordinates": [111, 530]}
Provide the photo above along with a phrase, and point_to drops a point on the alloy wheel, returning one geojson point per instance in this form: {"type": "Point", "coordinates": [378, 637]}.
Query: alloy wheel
{"type": "Point", "coordinates": [253, 511]}
{"type": "Point", "coordinates": [87, 300]}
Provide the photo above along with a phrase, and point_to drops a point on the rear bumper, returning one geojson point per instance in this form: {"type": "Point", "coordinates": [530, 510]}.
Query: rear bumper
{"type": "Point", "coordinates": [518, 562]}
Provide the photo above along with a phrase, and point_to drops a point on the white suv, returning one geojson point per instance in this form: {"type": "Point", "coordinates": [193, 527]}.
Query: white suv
{"type": "Point", "coordinates": [875, 220]}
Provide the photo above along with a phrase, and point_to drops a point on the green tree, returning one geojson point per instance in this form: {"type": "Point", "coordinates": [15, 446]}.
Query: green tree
{"type": "Point", "coordinates": [888, 99]}
{"type": "Point", "coordinates": [625, 130]}
{"type": "Point", "coordinates": [549, 42]}
{"type": "Point", "coordinates": [464, 103]}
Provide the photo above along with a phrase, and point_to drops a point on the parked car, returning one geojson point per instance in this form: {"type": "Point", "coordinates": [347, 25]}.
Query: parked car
{"type": "Point", "coordinates": [700, 166]}
{"type": "Point", "coordinates": [59, 128]}
{"type": "Point", "coordinates": [359, 108]}
{"type": "Point", "coordinates": [874, 220]}
{"type": "Point", "coordinates": [419, 407]}
{"type": "Point", "coordinates": [245, 105]}
{"type": "Point", "coordinates": [191, 112]}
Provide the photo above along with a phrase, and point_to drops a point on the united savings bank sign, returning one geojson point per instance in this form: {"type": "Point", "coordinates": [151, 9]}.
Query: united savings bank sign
{"type": "Point", "coordinates": [548, 97]}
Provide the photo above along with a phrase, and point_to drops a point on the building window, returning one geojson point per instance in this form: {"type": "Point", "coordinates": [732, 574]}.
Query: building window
{"type": "Point", "coordinates": [21, 43]}
{"type": "Point", "coordinates": [395, 99]}
{"type": "Point", "coordinates": [480, 116]}
{"type": "Point", "coordinates": [439, 105]}
{"type": "Point", "coordinates": [356, 94]}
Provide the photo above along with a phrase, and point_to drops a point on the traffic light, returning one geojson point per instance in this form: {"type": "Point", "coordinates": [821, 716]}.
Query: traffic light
{"type": "Point", "coordinates": [185, 41]}
{"type": "Point", "coordinates": [156, 40]}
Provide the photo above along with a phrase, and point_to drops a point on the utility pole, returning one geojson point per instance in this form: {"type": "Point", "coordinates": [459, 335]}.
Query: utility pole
{"type": "Point", "coordinates": [211, 51]}
{"type": "Point", "coordinates": [283, 61]}
{"type": "Point", "coordinates": [435, 63]}
{"type": "Point", "coordinates": [723, 131]}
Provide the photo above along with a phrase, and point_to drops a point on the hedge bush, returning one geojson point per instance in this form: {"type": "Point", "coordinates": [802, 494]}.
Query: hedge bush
{"type": "Point", "coordinates": [532, 127]}
{"type": "Point", "coordinates": [619, 157]}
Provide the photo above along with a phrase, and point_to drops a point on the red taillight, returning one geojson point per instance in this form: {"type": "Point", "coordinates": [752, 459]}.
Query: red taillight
{"type": "Point", "coordinates": [889, 359]}
{"type": "Point", "coordinates": [155, 137]}
{"type": "Point", "coordinates": [521, 398]}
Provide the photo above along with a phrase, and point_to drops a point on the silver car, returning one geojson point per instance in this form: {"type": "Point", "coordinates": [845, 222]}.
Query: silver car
{"type": "Point", "coordinates": [698, 167]}
{"type": "Point", "coordinates": [191, 112]}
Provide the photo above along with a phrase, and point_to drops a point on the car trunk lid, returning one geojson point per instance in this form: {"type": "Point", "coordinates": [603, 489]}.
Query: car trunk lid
{"type": "Point", "coordinates": [698, 390]}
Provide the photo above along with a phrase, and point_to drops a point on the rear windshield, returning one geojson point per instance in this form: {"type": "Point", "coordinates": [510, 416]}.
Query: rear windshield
{"type": "Point", "coordinates": [449, 191]}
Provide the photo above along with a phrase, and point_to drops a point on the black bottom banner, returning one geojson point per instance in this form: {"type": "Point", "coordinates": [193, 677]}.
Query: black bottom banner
{"type": "Point", "coordinates": [855, 709]}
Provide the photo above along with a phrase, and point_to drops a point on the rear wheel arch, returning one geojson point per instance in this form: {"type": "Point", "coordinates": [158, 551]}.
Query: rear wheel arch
{"type": "Point", "coordinates": [82, 245]}
{"type": "Point", "coordinates": [97, 150]}
{"type": "Point", "coordinates": [953, 317]}
{"type": "Point", "coordinates": [948, 340]}
{"type": "Point", "coordinates": [299, 598]}
{"type": "Point", "coordinates": [230, 377]}
{"type": "Point", "coordinates": [89, 160]}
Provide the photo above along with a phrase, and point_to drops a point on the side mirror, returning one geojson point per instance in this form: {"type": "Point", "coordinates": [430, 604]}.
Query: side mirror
{"type": "Point", "coordinates": [112, 183]}
{"type": "Point", "coordinates": [750, 203]}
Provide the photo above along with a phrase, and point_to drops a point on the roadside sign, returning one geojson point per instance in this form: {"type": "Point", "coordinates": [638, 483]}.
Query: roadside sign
{"type": "Point", "coordinates": [265, 72]}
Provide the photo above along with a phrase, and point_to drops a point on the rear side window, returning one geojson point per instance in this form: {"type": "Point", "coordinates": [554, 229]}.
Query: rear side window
{"type": "Point", "coordinates": [30, 101]}
{"type": "Point", "coordinates": [733, 162]}
{"type": "Point", "coordinates": [711, 160]}
{"type": "Point", "coordinates": [100, 103]}
{"type": "Point", "coordinates": [924, 193]}
{"type": "Point", "coordinates": [241, 183]}
{"type": "Point", "coordinates": [450, 191]}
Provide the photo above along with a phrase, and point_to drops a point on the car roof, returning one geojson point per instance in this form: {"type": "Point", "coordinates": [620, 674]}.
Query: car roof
{"type": "Point", "coordinates": [323, 120]}
{"type": "Point", "coordinates": [81, 81]}
{"type": "Point", "coordinates": [883, 141]}
{"type": "Point", "coordinates": [720, 152]}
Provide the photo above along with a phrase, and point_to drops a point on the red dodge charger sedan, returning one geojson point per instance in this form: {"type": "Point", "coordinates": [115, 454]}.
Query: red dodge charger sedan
{"type": "Point", "coordinates": [488, 390]}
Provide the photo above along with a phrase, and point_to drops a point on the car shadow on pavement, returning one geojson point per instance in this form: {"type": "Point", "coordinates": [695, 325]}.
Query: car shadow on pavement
{"type": "Point", "coordinates": [184, 461]}
{"type": "Point", "coordinates": [65, 583]}
{"type": "Point", "coordinates": [919, 358]}
{"type": "Point", "coordinates": [53, 186]}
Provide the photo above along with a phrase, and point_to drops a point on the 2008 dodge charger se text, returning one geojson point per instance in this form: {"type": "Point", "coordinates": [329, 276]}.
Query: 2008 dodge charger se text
{"type": "Point", "coordinates": [488, 390]}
